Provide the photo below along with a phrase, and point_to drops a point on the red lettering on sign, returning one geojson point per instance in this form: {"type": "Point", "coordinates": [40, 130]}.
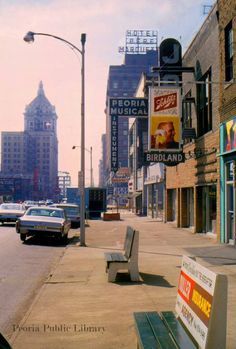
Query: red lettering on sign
{"type": "Point", "coordinates": [186, 285]}
{"type": "Point", "coordinates": [165, 102]}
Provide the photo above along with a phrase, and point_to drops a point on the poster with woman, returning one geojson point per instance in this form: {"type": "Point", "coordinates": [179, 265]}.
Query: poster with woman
{"type": "Point", "coordinates": [230, 139]}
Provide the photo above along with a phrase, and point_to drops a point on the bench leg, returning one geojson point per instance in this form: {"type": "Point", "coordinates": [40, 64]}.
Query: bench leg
{"type": "Point", "coordinates": [112, 271]}
{"type": "Point", "coordinates": [134, 274]}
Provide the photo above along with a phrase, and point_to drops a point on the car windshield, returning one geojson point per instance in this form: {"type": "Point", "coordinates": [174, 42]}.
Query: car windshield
{"type": "Point", "coordinates": [72, 210]}
{"type": "Point", "coordinates": [11, 207]}
{"type": "Point", "coordinates": [45, 213]}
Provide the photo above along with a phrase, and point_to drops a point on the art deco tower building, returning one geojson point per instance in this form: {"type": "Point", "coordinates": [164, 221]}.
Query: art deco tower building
{"type": "Point", "coordinates": [40, 125]}
{"type": "Point", "coordinates": [34, 152]}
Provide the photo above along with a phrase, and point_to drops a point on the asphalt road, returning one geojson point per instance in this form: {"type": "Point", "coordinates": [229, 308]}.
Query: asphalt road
{"type": "Point", "coordinates": [23, 269]}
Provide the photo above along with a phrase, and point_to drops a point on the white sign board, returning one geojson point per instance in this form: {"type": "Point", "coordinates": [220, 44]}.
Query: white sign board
{"type": "Point", "coordinates": [196, 303]}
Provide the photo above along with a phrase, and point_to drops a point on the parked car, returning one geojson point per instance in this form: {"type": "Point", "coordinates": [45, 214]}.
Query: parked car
{"type": "Point", "coordinates": [72, 212]}
{"type": "Point", "coordinates": [43, 221]}
{"type": "Point", "coordinates": [10, 212]}
{"type": "Point", "coordinates": [30, 203]}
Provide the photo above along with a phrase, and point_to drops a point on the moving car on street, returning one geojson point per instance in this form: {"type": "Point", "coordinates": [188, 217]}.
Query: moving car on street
{"type": "Point", "coordinates": [72, 212]}
{"type": "Point", "coordinates": [43, 221]}
{"type": "Point", "coordinates": [10, 212]}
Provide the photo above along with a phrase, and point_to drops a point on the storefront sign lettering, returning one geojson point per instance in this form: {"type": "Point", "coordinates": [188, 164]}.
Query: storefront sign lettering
{"type": "Point", "coordinates": [165, 102]}
{"type": "Point", "coordinates": [131, 107]}
{"type": "Point", "coordinates": [168, 158]}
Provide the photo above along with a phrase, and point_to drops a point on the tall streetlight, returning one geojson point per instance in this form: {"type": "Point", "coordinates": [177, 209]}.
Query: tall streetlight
{"type": "Point", "coordinates": [29, 37]}
{"type": "Point", "coordinates": [91, 162]}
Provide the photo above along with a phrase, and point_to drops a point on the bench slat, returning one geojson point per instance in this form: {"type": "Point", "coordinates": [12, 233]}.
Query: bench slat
{"type": "Point", "coordinates": [152, 331]}
{"type": "Point", "coordinates": [178, 332]}
{"type": "Point", "coordinates": [129, 242]}
{"type": "Point", "coordinates": [115, 257]}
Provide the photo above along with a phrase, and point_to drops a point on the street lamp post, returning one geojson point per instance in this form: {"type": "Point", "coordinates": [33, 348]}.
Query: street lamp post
{"type": "Point", "coordinates": [91, 162]}
{"type": "Point", "coordinates": [29, 37]}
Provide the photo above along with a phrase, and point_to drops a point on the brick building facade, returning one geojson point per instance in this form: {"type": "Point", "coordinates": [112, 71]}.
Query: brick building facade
{"type": "Point", "coordinates": [227, 107]}
{"type": "Point", "coordinates": [192, 187]}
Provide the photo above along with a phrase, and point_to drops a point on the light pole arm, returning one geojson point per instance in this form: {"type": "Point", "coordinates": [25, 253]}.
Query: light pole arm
{"type": "Point", "coordinates": [30, 37]}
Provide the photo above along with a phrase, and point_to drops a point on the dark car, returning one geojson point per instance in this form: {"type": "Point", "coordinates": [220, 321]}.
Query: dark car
{"type": "Point", "coordinates": [72, 212]}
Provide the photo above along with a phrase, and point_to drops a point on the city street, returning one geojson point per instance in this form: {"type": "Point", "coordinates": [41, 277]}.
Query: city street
{"type": "Point", "coordinates": [77, 296]}
{"type": "Point", "coordinates": [23, 269]}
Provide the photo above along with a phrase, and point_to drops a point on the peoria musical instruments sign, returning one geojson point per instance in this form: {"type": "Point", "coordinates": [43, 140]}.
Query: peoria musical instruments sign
{"type": "Point", "coordinates": [130, 107]}
{"type": "Point", "coordinates": [123, 107]}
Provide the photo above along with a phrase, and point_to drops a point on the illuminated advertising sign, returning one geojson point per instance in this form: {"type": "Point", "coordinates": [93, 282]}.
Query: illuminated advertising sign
{"type": "Point", "coordinates": [164, 119]}
{"type": "Point", "coordinates": [139, 41]}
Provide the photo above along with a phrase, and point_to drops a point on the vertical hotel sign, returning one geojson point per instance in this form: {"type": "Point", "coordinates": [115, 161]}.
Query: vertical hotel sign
{"type": "Point", "coordinates": [114, 143]}
{"type": "Point", "coordinates": [164, 118]}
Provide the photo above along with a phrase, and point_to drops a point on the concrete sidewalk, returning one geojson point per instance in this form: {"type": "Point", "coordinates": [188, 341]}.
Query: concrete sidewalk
{"type": "Point", "coordinates": [78, 308]}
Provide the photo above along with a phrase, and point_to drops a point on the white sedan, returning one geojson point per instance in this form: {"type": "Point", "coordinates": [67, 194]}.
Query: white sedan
{"type": "Point", "coordinates": [10, 212]}
{"type": "Point", "coordinates": [43, 221]}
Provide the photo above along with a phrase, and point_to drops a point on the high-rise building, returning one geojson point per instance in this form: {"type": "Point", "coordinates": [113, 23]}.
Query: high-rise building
{"type": "Point", "coordinates": [35, 150]}
{"type": "Point", "coordinates": [64, 181]}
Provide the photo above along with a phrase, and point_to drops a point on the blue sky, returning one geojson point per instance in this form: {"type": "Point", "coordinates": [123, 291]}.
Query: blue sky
{"type": "Point", "coordinates": [105, 23]}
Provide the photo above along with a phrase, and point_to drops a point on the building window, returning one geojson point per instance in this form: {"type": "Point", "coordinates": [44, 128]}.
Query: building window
{"type": "Point", "coordinates": [229, 52]}
{"type": "Point", "coordinates": [187, 111]}
{"type": "Point", "coordinates": [204, 104]}
{"type": "Point", "coordinates": [115, 84]}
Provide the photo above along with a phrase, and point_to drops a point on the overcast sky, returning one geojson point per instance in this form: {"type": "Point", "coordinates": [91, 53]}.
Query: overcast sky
{"type": "Point", "coordinates": [105, 22]}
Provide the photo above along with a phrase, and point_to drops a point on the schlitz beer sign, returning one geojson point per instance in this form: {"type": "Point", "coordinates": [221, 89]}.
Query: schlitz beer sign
{"type": "Point", "coordinates": [165, 102]}
{"type": "Point", "coordinates": [164, 119]}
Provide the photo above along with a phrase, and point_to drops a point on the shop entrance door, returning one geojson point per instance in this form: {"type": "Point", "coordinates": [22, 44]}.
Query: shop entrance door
{"type": "Point", "coordinates": [209, 209]}
{"type": "Point", "coordinates": [230, 203]}
{"type": "Point", "coordinates": [190, 206]}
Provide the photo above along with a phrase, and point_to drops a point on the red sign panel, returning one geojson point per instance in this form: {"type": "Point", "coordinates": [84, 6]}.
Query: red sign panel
{"type": "Point", "coordinates": [165, 102]}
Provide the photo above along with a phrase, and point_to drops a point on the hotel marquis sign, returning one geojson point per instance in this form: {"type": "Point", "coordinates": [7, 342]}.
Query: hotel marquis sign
{"type": "Point", "coordinates": [139, 41]}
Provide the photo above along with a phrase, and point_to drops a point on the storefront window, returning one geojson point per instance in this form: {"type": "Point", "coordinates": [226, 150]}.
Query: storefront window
{"type": "Point", "coordinates": [229, 171]}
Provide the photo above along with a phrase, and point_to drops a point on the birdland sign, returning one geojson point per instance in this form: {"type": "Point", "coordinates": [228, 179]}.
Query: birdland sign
{"type": "Point", "coordinates": [171, 158]}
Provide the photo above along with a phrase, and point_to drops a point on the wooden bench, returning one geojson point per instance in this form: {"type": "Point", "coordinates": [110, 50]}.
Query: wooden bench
{"type": "Point", "coordinates": [200, 318]}
{"type": "Point", "coordinates": [128, 260]}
